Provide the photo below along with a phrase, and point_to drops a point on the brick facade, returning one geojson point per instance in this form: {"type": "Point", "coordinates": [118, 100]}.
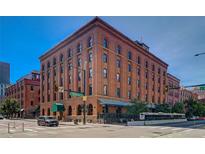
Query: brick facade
{"type": "Point", "coordinates": [27, 92]}
{"type": "Point", "coordinates": [117, 68]}
{"type": "Point", "coordinates": [173, 95]}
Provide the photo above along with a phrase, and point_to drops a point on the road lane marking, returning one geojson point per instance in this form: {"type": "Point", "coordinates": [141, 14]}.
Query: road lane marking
{"type": "Point", "coordinates": [165, 128]}
{"type": "Point", "coordinates": [188, 130]}
{"type": "Point", "coordinates": [177, 129]}
{"type": "Point", "coordinates": [31, 130]}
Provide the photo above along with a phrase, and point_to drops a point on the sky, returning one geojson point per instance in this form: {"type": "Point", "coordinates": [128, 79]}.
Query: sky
{"type": "Point", "coordinates": [175, 40]}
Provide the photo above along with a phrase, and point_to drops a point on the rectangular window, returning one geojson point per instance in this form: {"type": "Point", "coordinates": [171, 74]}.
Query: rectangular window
{"type": "Point", "coordinates": [105, 73]}
{"type": "Point", "coordinates": [129, 55]}
{"type": "Point", "coordinates": [138, 60]}
{"type": "Point", "coordinates": [105, 43]}
{"type": "Point", "coordinates": [129, 80]}
{"type": "Point", "coordinates": [118, 49]}
{"type": "Point", "coordinates": [118, 92]}
{"type": "Point", "coordinates": [79, 62]}
{"type": "Point", "coordinates": [90, 72]}
{"type": "Point", "coordinates": [105, 90]}
{"type": "Point", "coordinates": [90, 89]}
{"type": "Point", "coordinates": [146, 74]}
{"type": "Point", "coordinates": [79, 75]}
{"type": "Point", "coordinates": [129, 68]}
{"type": "Point", "coordinates": [61, 68]}
{"type": "Point", "coordinates": [118, 77]}
{"type": "Point", "coordinates": [118, 63]}
{"type": "Point", "coordinates": [31, 88]}
{"type": "Point", "coordinates": [105, 58]}
{"type": "Point", "coordinates": [90, 57]}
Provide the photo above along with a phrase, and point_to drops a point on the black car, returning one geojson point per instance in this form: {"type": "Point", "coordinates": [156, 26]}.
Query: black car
{"type": "Point", "coordinates": [47, 121]}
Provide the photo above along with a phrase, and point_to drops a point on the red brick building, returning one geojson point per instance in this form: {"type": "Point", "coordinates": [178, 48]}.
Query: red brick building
{"type": "Point", "coordinates": [27, 92]}
{"type": "Point", "coordinates": [117, 70]}
{"type": "Point", "coordinates": [173, 95]}
{"type": "Point", "coordinates": [186, 94]}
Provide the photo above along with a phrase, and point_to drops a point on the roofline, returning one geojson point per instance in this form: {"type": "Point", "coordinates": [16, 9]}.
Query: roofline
{"type": "Point", "coordinates": [53, 49]}
{"type": "Point", "coordinates": [168, 74]}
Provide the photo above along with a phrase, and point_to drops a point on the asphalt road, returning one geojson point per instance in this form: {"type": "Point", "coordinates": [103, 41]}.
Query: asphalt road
{"type": "Point", "coordinates": [187, 124]}
{"type": "Point", "coordinates": [189, 129]}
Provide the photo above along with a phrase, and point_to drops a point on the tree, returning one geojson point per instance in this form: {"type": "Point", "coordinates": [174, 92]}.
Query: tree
{"type": "Point", "coordinates": [165, 108]}
{"type": "Point", "coordinates": [10, 107]}
{"type": "Point", "coordinates": [194, 108]}
{"type": "Point", "coordinates": [178, 107]}
{"type": "Point", "coordinates": [137, 107]}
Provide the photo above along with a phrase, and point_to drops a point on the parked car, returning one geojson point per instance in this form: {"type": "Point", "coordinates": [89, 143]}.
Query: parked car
{"type": "Point", "coordinates": [1, 117]}
{"type": "Point", "coordinates": [201, 118]}
{"type": "Point", "coordinates": [193, 118]}
{"type": "Point", "coordinates": [47, 121]}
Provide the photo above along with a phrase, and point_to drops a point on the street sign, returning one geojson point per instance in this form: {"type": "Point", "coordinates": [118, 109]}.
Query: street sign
{"type": "Point", "coordinates": [84, 98]}
{"type": "Point", "coordinates": [202, 88]}
{"type": "Point", "coordinates": [60, 89]}
{"type": "Point", "coordinates": [77, 94]}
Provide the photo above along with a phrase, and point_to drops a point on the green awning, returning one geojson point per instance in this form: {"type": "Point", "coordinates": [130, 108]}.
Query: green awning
{"type": "Point", "coordinates": [113, 102]}
{"type": "Point", "coordinates": [57, 107]}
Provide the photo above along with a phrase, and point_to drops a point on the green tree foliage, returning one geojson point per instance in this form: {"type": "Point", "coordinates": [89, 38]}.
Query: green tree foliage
{"type": "Point", "coordinates": [178, 107]}
{"type": "Point", "coordinates": [194, 108]}
{"type": "Point", "coordinates": [165, 108]}
{"type": "Point", "coordinates": [10, 107]}
{"type": "Point", "coordinates": [137, 107]}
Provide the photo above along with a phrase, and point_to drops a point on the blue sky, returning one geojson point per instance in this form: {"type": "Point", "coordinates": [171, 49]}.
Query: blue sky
{"type": "Point", "coordinates": [173, 39]}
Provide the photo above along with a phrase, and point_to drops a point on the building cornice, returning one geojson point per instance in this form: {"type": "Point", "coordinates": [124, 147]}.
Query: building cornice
{"type": "Point", "coordinates": [100, 23]}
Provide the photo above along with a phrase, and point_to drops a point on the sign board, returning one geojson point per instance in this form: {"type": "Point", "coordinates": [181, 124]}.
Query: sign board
{"type": "Point", "coordinates": [77, 94]}
{"type": "Point", "coordinates": [142, 117]}
{"type": "Point", "coordinates": [84, 98]}
{"type": "Point", "coordinates": [202, 88]}
{"type": "Point", "coordinates": [60, 89]}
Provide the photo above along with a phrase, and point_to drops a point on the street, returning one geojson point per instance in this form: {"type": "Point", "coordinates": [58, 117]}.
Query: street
{"type": "Point", "coordinates": [189, 129]}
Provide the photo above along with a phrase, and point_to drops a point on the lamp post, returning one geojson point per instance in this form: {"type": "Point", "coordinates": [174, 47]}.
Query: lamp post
{"type": "Point", "coordinates": [84, 84]}
{"type": "Point", "coordinates": [199, 54]}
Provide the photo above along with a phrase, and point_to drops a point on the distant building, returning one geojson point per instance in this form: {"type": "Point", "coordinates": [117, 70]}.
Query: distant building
{"type": "Point", "coordinates": [4, 78]}
{"type": "Point", "coordinates": [27, 91]}
{"type": "Point", "coordinates": [200, 94]}
{"type": "Point", "coordinates": [173, 95]}
{"type": "Point", "coordinates": [185, 94]}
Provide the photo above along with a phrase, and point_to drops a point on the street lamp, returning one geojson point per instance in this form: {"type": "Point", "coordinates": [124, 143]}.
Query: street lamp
{"type": "Point", "coordinates": [84, 82]}
{"type": "Point", "coordinates": [199, 54]}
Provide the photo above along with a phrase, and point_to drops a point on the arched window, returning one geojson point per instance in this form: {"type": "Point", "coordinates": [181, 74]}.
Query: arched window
{"type": "Point", "coordinates": [43, 112]}
{"type": "Point", "coordinates": [79, 110]}
{"type": "Point", "coordinates": [48, 112]}
{"type": "Point", "coordinates": [90, 42]}
{"type": "Point", "coordinates": [90, 109]}
{"type": "Point", "coordinates": [69, 110]}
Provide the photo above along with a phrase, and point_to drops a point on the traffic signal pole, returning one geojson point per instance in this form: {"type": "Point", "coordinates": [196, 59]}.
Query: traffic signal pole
{"type": "Point", "coordinates": [84, 106]}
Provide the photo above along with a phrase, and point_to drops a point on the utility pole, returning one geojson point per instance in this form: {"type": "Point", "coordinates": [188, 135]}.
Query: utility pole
{"type": "Point", "coordinates": [84, 84]}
